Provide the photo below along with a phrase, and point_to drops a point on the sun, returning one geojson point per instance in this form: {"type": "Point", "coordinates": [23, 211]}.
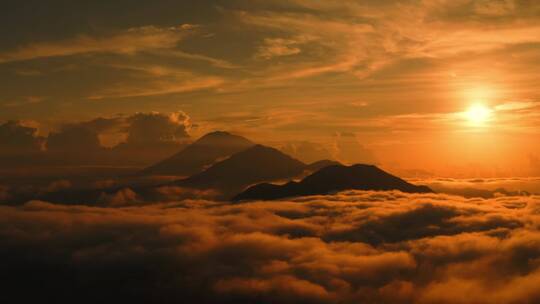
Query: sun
{"type": "Point", "coordinates": [478, 114]}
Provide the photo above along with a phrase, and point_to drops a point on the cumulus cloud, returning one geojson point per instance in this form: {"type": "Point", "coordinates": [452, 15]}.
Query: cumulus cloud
{"type": "Point", "coordinates": [72, 138]}
{"type": "Point", "coordinates": [139, 128]}
{"type": "Point", "coordinates": [121, 197]}
{"type": "Point", "coordinates": [157, 127]}
{"type": "Point", "coordinates": [15, 137]}
{"type": "Point", "coordinates": [137, 139]}
{"type": "Point", "coordinates": [351, 247]}
{"type": "Point", "coordinates": [141, 138]}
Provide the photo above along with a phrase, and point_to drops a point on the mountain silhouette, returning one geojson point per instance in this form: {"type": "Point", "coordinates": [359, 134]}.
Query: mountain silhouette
{"type": "Point", "coordinates": [200, 154]}
{"type": "Point", "coordinates": [253, 165]}
{"type": "Point", "coordinates": [230, 176]}
{"type": "Point", "coordinates": [318, 165]}
{"type": "Point", "coordinates": [333, 179]}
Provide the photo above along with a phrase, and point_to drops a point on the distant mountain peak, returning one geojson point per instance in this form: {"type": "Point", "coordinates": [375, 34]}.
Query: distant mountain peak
{"type": "Point", "coordinates": [222, 136]}
{"type": "Point", "coordinates": [217, 133]}
{"type": "Point", "coordinates": [205, 151]}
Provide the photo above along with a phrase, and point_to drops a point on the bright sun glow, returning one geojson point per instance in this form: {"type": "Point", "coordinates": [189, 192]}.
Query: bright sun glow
{"type": "Point", "coordinates": [478, 114]}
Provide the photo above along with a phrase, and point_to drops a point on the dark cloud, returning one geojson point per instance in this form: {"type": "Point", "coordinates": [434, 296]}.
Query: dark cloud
{"type": "Point", "coordinates": [121, 197]}
{"type": "Point", "coordinates": [136, 140]}
{"type": "Point", "coordinates": [74, 138]}
{"type": "Point", "coordinates": [17, 138]}
{"type": "Point", "coordinates": [104, 125]}
{"type": "Point", "coordinates": [139, 128]}
{"type": "Point", "coordinates": [428, 248]}
{"type": "Point", "coordinates": [74, 18]}
{"type": "Point", "coordinates": [157, 127]}
{"type": "Point", "coordinates": [152, 137]}
{"type": "Point", "coordinates": [175, 193]}
{"type": "Point", "coordinates": [4, 193]}
{"type": "Point", "coordinates": [58, 185]}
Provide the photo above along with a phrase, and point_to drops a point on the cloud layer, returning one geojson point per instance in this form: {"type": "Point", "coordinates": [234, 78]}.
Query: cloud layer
{"type": "Point", "coordinates": [381, 247]}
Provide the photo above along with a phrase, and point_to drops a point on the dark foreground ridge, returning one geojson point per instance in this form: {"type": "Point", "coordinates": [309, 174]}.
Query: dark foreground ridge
{"type": "Point", "coordinates": [333, 179]}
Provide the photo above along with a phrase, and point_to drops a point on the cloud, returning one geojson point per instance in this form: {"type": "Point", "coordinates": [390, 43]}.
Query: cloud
{"type": "Point", "coordinates": [121, 197]}
{"type": "Point", "coordinates": [186, 82]}
{"type": "Point", "coordinates": [220, 63]}
{"type": "Point", "coordinates": [16, 138]}
{"type": "Point", "coordinates": [4, 193]}
{"type": "Point", "coordinates": [175, 193]}
{"type": "Point", "coordinates": [307, 151]}
{"type": "Point", "coordinates": [371, 39]}
{"type": "Point", "coordinates": [58, 185]}
{"type": "Point", "coordinates": [157, 127]}
{"type": "Point", "coordinates": [74, 137]}
{"type": "Point", "coordinates": [494, 8]}
{"type": "Point", "coordinates": [486, 187]}
{"type": "Point", "coordinates": [128, 42]}
{"type": "Point", "coordinates": [277, 47]}
{"type": "Point", "coordinates": [102, 124]}
{"type": "Point", "coordinates": [348, 149]}
{"type": "Point", "coordinates": [27, 100]}
{"type": "Point", "coordinates": [140, 138]}
{"type": "Point", "coordinates": [377, 247]}
{"type": "Point", "coordinates": [138, 128]}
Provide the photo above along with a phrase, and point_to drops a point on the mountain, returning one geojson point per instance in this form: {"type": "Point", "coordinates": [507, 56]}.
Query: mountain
{"type": "Point", "coordinates": [253, 165]}
{"type": "Point", "coordinates": [333, 179]}
{"type": "Point", "coordinates": [228, 176]}
{"type": "Point", "coordinates": [318, 165]}
{"type": "Point", "coordinates": [200, 154]}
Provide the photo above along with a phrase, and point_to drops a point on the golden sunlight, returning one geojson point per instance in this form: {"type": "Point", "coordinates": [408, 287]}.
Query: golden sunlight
{"type": "Point", "coordinates": [304, 151]}
{"type": "Point", "coordinates": [478, 114]}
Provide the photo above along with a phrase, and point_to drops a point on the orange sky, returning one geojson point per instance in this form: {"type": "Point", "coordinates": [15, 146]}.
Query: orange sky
{"type": "Point", "coordinates": [383, 81]}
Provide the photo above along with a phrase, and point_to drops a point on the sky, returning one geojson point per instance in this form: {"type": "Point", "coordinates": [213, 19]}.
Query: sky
{"type": "Point", "coordinates": [444, 87]}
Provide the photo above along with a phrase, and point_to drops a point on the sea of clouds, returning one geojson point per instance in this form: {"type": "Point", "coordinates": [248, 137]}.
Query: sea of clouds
{"type": "Point", "coordinates": [351, 247]}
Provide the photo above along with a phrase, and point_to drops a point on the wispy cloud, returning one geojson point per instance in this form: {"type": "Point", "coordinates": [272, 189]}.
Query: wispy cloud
{"type": "Point", "coordinates": [128, 42]}
{"type": "Point", "coordinates": [28, 100]}
{"type": "Point", "coordinates": [160, 88]}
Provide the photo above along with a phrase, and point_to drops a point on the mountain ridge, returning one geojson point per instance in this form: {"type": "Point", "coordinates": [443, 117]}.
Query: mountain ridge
{"type": "Point", "coordinates": [254, 165]}
{"type": "Point", "coordinates": [333, 179]}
